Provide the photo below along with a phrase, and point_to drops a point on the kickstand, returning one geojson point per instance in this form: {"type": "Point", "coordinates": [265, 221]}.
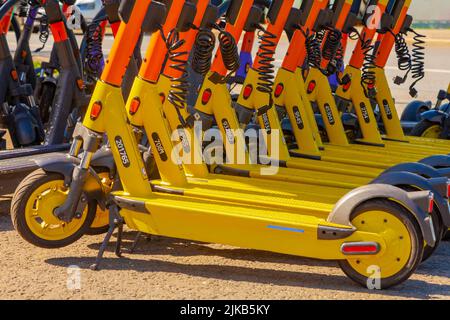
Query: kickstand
{"type": "Point", "coordinates": [135, 242]}
{"type": "Point", "coordinates": [115, 221]}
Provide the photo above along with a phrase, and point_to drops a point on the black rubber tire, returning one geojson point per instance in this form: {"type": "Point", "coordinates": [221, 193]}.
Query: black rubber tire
{"type": "Point", "coordinates": [416, 240]}
{"type": "Point", "coordinates": [421, 127]}
{"type": "Point", "coordinates": [446, 236]}
{"type": "Point", "coordinates": [19, 202]}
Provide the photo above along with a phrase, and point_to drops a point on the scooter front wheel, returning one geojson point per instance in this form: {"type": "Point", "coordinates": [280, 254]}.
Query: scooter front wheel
{"type": "Point", "coordinates": [403, 245]}
{"type": "Point", "coordinates": [100, 224]}
{"type": "Point", "coordinates": [32, 207]}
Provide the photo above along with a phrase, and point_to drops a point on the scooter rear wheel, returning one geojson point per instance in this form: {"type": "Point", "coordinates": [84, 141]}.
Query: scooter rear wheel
{"type": "Point", "coordinates": [32, 208]}
{"type": "Point", "coordinates": [402, 253]}
{"type": "Point", "coordinates": [427, 129]}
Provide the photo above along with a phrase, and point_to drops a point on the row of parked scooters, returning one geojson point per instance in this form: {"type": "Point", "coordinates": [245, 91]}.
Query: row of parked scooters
{"type": "Point", "coordinates": [199, 140]}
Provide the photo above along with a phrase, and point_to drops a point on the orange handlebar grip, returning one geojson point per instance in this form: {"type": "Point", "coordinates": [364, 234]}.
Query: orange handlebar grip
{"type": "Point", "coordinates": [125, 41]}
{"type": "Point", "coordinates": [236, 31]}
{"type": "Point", "coordinates": [5, 22]}
{"type": "Point", "coordinates": [276, 29]}
{"type": "Point", "coordinates": [188, 37]}
{"type": "Point", "coordinates": [387, 40]}
{"type": "Point", "coordinates": [157, 50]}
{"type": "Point", "coordinates": [296, 53]}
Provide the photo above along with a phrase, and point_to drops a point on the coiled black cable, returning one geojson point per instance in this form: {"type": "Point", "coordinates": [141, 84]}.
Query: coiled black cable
{"type": "Point", "coordinates": [418, 61]}
{"type": "Point", "coordinates": [203, 51]}
{"type": "Point", "coordinates": [266, 52]}
{"type": "Point", "coordinates": [229, 50]}
{"type": "Point", "coordinates": [404, 62]}
{"type": "Point", "coordinates": [368, 76]}
{"type": "Point", "coordinates": [44, 31]}
{"type": "Point", "coordinates": [94, 53]}
{"type": "Point", "coordinates": [178, 60]}
{"type": "Point", "coordinates": [331, 45]}
{"type": "Point", "coordinates": [23, 9]}
{"type": "Point", "coordinates": [204, 46]}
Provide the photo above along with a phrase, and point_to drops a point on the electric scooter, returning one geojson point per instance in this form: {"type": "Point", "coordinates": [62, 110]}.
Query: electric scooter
{"type": "Point", "coordinates": [163, 211]}
{"type": "Point", "coordinates": [426, 121]}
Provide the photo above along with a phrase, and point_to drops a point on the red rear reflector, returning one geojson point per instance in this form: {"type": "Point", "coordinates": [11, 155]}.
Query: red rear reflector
{"type": "Point", "coordinates": [14, 75]}
{"type": "Point", "coordinates": [346, 86]}
{"type": "Point", "coordinates": [430, 202]}
{"type": "Point", "coordinates": [95, 110]}
{"type": "Point", "coordinates": [311, 86]}
{"type": "Point", "coordinates": [360, 248]}
{"type": "Point", "coordinates": [207, 94]}
{"type": "Point", "coordinates": [278, 90]}
{"type": "Point", "coordinates": [448, 190]}
{"type": "Point", "coordinates": [134, 105]}
{"type": "Point", "coordinates": [248, 91]}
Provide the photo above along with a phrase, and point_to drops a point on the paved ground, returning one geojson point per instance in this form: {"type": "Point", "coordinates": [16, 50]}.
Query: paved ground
{"type": "Point", "coordinates": [175, 269]}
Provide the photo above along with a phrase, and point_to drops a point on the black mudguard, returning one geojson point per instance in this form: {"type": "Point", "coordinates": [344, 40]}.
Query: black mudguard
{"type": "Point", "coordinates": [65, 165]}
{"type": "Point", "coordinates": [438, 161]}
{"type": "Point", "coordinates": [436, 185]}
{"type": "Point", "coordinates": [421, 169]}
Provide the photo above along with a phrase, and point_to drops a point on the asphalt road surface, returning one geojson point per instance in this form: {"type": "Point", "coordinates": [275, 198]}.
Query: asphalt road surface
{"type": "Point", "coordinates": [166, 268]}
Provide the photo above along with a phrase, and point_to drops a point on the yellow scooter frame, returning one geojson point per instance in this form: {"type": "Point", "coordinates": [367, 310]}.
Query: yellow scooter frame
{"type": "Point", "coordinates": [164, 212]}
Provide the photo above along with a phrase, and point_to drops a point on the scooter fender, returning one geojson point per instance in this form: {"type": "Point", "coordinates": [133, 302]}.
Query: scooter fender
{"type": "Point", "coordinates": [420, 169]}
{"type": "Point", "coordinates": [415, 202]}
{"type": "Point", "coordinates": [438, 161]}
{"type": "Point", "coordinates": [414, 110]}
{"type": "Point", "coordinates": [65, 165]}
{"type": "Point", "coordinates": [436, 185]}
{"type": "Point", "coordinates": [435, 116]}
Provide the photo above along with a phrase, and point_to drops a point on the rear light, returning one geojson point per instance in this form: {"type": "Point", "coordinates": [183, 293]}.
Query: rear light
{"type": "Point", "coordinates": [278, 90]}
{"type": "Point", "coordinates": [448, 189]}
{"type": "Point", "coordinates": [360, 248]}
{"type": "Point", "coordinates": [248, 91]}
{"type": "Point", "coordinates": [206, 96]}
{"type": "Point", "coordinates": [311, 86]}
{"type": "Point", "coordinates": [430, 202]}
{"type": "Point", "coordinates": [96, 109]}
{"type": "Point", "coordinates": [134, 106]}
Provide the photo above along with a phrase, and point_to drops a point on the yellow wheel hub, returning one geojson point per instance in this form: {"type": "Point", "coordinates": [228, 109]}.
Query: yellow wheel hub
{"type": "Point", "coordinates": [39, 212]}
{"type": "Point", "coordinates": [102, 216]}
{"type": "Point", "coordinates": [391, 258]}
{"type": "Point", "coordinates": [432, 132]}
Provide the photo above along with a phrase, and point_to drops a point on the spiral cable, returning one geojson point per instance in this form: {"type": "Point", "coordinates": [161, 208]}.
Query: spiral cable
{"type": "Point", "coordinates": [368, 76]}
{"type": "Point", "coordinates": [202, 51]}
{"type": "Point", "coordinates": [266, 71]}
{"type": "Point", "coordinates": [23, 8]}
{"type": "Point", "coordinates": [44, 31]}
{"type": "Point", "coordinates": [313, 48]}
{"type": "Point", "coordinates": [178, 60]}
{"type": "Point", "coordinates": [331, 45]}
{"type": "Point", "coordinates": [229, 50]}
{"type": "Point", "coordinates": [418, 61]}
{"type": "Point", "coordinates": [404, 62]}
{"type": "Point", "coordinates": [94, 53]}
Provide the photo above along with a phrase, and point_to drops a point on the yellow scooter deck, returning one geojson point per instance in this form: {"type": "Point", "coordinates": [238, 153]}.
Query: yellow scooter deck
{"type": "Point", "coordinates": [231, 223]}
